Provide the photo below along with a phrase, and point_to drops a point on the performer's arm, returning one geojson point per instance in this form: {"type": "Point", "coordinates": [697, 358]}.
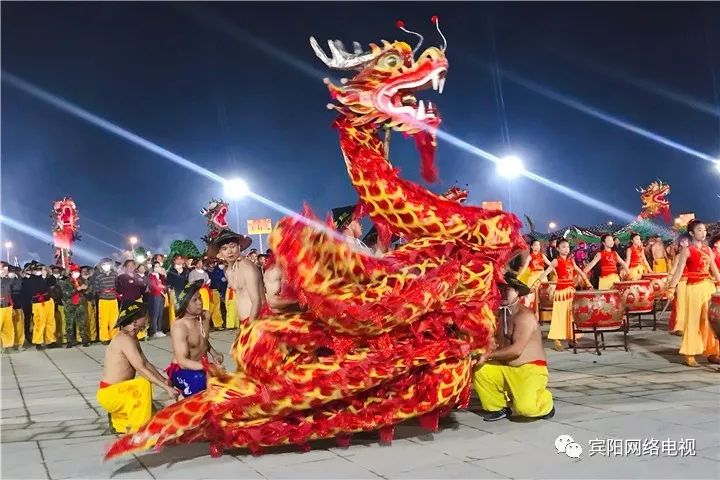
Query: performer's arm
{"type": "Point", "coordinates": [181, 352]}
{"type": "Point", "coordinates": [714, 268]}
{"type": "Point", "coordinates": [253, 287]}
{"type": "Point", "coordinates": [545, 259]}
{"type": "Point", "coordinates": [681, 260]}
{"type": "Point", "coordinates": [582, 274]}
{"type": "Point", "coordinates": [625, 265]}
{"type": "Point", "coordinates": [647, 264]}
{"type": "Point", "coordinates": [131, 349]}
{"type": "Point", "coordinates": [592, 264]}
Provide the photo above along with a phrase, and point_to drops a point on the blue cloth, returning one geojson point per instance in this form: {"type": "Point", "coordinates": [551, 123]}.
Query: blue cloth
{"type": "Point", "coordinates": [189, 382]}
{"type": "Point", "coordinates": [218, 281]}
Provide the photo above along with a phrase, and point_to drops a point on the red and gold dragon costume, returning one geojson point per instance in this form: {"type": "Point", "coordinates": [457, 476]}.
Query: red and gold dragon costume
{"type": "Point", "coordinates": [383, 339]}
{"type": "Point", "coordinates": [654, 201]}
{"type": "Point", "coordinates": [216, 213]}
{"type": "Point", "coordinates": [65, 227]}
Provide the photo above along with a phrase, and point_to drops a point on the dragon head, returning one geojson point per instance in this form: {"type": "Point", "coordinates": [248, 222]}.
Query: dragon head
{"type": "Point", "coordinates": [215, 212]}
{"type": "Point", "coordinates": [654, 201]}
{"type": "Point", "coordinates": [65, 214]}
{"type": "Point", "coordinates": [383, 91]}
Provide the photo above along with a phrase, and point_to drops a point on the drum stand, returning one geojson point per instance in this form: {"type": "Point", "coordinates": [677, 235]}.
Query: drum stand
{"type": "Point", "coordinates": [639, 314]}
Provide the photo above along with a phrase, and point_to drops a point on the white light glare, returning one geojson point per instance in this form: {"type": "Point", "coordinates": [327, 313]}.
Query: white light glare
{"type": "Point", "coordinates": [236, 188]}
{"type": "Point", "coordinates": [510, 167]}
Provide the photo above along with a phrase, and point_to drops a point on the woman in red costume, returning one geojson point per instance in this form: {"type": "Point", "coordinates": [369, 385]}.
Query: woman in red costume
{"type": "Point", "coordinates": [609, 260]}
{"type": "Point", "coordinates": [676, 324]}
{"type": "Point", "coordinates": [636, 259]}
{"type": "Point", "coordinates": [561, 322]}
{"type": "Point", "coordinates": [531, 273]}
{"type": "Point", "coordinates": [698, 338]}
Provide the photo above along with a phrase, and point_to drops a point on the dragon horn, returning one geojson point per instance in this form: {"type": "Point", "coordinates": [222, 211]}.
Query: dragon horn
{"type": "Point", "coordinates": [341, 59]}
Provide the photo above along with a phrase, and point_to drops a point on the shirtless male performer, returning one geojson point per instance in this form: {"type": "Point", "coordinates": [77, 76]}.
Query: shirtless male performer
{"type": "Point", "coordinates": [245, 287]}
{"type": "Point", "coordinates": [659, 256]}
{"type": "Point", "coordinates": [190, 336]}
{"type": "Point", "coordinates": [126, 396]}
{"type": "Point", "coordinates": [278, 301]}
{"type": "Point", "coordinates": [517, 368]}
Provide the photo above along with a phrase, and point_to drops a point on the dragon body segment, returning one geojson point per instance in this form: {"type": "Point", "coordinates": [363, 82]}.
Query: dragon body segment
{"type": "Point", "coordinates": [382, 338]}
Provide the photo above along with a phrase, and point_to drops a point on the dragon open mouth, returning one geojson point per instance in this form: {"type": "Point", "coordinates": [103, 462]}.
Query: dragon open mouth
{"type": "Point", "coordinates": [219, 217]}
{"type": "Point", "coordinates": [399, 99]}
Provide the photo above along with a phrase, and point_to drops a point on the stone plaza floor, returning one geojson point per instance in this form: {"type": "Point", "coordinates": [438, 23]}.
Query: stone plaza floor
{"type": "Point", "coordinates": [639, 414]}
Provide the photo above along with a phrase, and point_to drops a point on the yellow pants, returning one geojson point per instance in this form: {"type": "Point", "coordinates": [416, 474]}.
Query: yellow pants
{"type": "Point", "coordinates": [660, 265]}
{"type": "Point", "coordinates": [636, 273]}
{"type": "Point", "coordinates": [608, 281]}
{"type": "Point", "coordinates": [231, 313]}
{"type": "Point", "coordinates": [44, 322]}
{"type": "Point", "coordinates": [129, 404]}
{"type": "Point", "coordinates": [525, 386]}
{"type": "Point", "coordinates": [561, 325]}
{"type": "Point", "coordinates": [215, 312]}
{"type": "Point", "coordinates": [108, 313]}
{"type": "Point", "coordinates": [7, 329]}
{"type": "Point", "coordinates": [92, 321]}
{"type": "Point", "coordinates": [60, 323]}
{"type": "Point", "coordinates": [680, 308]}
{"type": "Point", "coordinates": [698, 337]}
{"type": "Point", "coordinates": [205, 299]}
{"type": "Point", "coordinates": [19, 324]}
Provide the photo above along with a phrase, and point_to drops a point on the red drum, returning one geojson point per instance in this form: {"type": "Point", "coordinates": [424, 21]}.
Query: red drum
{"type": "Point", "coordinates": [545, 294]}
{"type": "Point", "coordinates": [638, 295]}
{"type": "Point", "coordinates": [598, 308]}
{"type": "Point", "coordinates": [658, 281]}
{"type": "Point", "coordinates": [714, 314]}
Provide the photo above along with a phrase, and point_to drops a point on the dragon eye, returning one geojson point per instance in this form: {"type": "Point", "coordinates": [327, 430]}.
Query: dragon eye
{"type": "Point", "coordinates": [391, 61]}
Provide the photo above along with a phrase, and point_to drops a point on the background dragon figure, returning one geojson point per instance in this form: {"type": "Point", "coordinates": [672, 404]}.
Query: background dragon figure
{"type": "Point", "coordinates": [215, 212]}
{"type": "Point", "coordinates": [383, 339]}
{"type": "Point", "coordinates": [654, 201]}
{"type": "Point", "coordinates": [65, 227]}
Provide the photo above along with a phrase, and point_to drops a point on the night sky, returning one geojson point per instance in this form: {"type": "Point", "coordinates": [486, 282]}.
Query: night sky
{"type": "Point", "coordinates": [236, 89]}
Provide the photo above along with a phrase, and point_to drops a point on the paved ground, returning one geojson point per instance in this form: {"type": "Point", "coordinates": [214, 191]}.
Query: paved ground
{"type": "Point", "coordinates": [53, 428]}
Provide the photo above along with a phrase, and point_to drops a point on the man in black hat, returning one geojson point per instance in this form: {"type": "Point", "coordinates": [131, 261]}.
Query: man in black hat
{"type": "Point", "coordinates": [126, 396]}
{"type": "Point", "coordinates": [517, 367]}
{"type": "Point", "coordinates": [190, 335]}
{"type": "Point", "coordinates": [245, 286]}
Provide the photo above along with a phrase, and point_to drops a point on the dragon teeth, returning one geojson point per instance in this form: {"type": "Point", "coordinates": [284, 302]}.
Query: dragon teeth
{"type": "Point", "coordinates": [420, 115]}
{"type": "Point", "coordinates": [442, 85]}
{"type": "Point", "coordinates": [435, 81]}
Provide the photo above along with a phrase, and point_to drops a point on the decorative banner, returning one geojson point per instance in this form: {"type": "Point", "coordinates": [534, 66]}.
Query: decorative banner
{"type": "Point", "coordinates": [495, 205]}
{"type": "Point", "coordinates": [259, 226]}
{"type": "Point", "coordinates": [682, 220]}
{"type": "Point", "coordinates": [654, 203]}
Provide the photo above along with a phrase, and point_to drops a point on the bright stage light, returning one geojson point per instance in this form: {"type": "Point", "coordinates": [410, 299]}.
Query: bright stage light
{"type": "Point", "coordinates": [552, 225]}
{"type": "Point", "coordinates": [610, 223]}
{"type": "Point", "coordinates": [510, 167]}
{"type": "Point", "coordinates": [8, 245]}
{"type": "Point", "coordinates": [133, 240]}
{"type": "Point", "coordinates": [717, 165]}
{"type": "Point", "coordinates": [236, 188]}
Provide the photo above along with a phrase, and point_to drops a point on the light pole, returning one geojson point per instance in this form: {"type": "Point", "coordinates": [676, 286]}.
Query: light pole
{"type": "Point", "coordinates": [235, 189]}
{"type": "Point", "coordinates": [8, 246]}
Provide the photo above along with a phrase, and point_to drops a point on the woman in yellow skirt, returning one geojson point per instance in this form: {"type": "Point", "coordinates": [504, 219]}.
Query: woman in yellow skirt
{"type": "Point", "coordinates": [676, 324]}
{"type": "Point", "coordinates": [699, 262]}
{"type": "Point", "coordinates": [531, 272]}
{"type": "Point", "coordinates": [561, 323]}
{"type": "Point", "coordinates": [636, 259]}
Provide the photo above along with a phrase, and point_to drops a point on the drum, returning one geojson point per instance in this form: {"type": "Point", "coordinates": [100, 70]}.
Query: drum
{"type": "Point", "coordinates": [545, 294]}
{"type": "Point", "coordinates": [658, 281]}
{"type": "Point", "coordinates": [598, 308]}
{"type": "Point", "coordinates": [714, 314]}
{"type": "Point", "coordinates": [638, 295]}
